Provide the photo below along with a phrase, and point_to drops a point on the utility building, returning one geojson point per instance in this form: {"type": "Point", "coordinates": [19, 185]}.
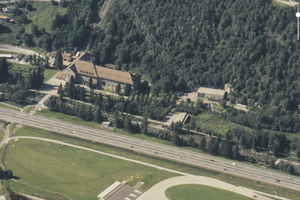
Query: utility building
{"type": "Point", "coordinates": [211, 94]}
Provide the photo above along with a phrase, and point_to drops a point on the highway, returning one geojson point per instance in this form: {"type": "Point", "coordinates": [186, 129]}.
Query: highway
{"type": "Point", "coordinates": [153, 149]}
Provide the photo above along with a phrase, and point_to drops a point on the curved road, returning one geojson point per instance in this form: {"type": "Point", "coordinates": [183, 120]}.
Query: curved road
{"type": "Point", "coordinates": [153, 149]}
{"type": "Point", "coordinates": [10, 48]}
{"type": "Point", "coordinates": [158, 190]}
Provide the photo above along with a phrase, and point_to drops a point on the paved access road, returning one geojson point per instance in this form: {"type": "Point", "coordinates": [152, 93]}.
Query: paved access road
{"type": "Point", "coordinates": [10, 48]}
{"type": "Point", "coordinates": [158, 190]}
{"type": "Point", "coordinates": [153, 149]}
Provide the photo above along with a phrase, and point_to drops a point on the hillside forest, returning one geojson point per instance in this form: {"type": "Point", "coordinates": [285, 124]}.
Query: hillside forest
{"type": "Point", "coordinates": [249, 44]}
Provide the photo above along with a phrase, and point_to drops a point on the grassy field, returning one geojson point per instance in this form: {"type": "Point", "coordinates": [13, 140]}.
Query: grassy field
{"type": "Point", "coordinates": [48, 73]}
{"type": "Point", "coordinates": [66, 118]}
{"type": "Point", "coordinates": [28, 109]}
{"type": "Point", "coordinates": [15, 104]}
{"type": "Point", "coordinates": [42, 15]}
{"type": "Point", "coordinates": [256, 185]}
{"type": "Point", "coordinates": [193, 192]}
{"type": "Point", "coordinates": [77, 174]}
{"type": "Point", "coordinates": [212, 121]}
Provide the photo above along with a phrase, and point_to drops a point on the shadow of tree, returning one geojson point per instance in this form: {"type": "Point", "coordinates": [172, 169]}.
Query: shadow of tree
{"type": "Point", "coordinates": [4, 29]}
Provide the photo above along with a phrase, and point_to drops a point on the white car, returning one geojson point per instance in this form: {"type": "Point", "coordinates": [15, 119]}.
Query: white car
{"type": "Point", "coordinates": [74, 132]}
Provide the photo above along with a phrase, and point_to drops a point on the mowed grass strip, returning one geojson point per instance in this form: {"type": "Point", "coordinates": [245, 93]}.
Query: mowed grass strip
{"type": "Point", "coordinates": [194, 192]}
{"type": "Point", "coordinates": [72, 172]}
{"type": "Point", "coordinates": [7, 106]}
{"type": "Point", "coordinates": [67, 118]}
{"type": "Point", "coordinates": [238, 181]}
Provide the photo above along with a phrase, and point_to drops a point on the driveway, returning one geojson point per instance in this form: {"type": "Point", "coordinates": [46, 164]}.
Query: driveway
{"type": "Point", "coordinates": [10, 48]}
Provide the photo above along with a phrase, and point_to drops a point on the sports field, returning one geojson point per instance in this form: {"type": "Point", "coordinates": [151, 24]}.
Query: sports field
{"type": "Point", "coordinates": [54, 169]}
{"type": "Point", "coordinates": [196, 192]}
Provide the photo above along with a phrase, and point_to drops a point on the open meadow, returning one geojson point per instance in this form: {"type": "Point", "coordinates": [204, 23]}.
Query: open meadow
{"type": "Point", "coordinates": [193, 192]}
{"type": "Point", "coordinates": [70, 172]}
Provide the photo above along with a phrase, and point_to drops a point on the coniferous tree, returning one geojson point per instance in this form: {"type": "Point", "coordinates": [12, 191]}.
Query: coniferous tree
{"type": "Point", "coordinates": [236, 153]}
{"type": "Point", "coordinates": [58, 63]}
{"type": "Point", "coordinates": [144, 126]}
{"type": "Point", "coordinates": [71, 88]}
{"type": "Point", "coordinates": [127, 124]}
{"type": "Point", "coordinates": [202, 144]}
{"type": "Point", "coordinates": [98, 116]}
{"type": "Point", "coordinates": [59, 90]}
{"type": "Point", "coordinates": [127, 90]}
{"type": "Point", "coordinates": [90, 83]}
{"type": "Point", "coordinates": [82, 94]}
{"type": "Point", "coordinates": [3, 70]}
{"type": "Point", "coordinates": [118, 88]}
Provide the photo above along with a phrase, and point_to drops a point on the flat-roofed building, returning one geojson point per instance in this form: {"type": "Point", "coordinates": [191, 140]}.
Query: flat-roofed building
{"type": "Point", "coordinates": [210, 93]}
{"type": "Point", "coordinates": [3, 18]}
{"type": "Point", "coordinates": [10, 9]}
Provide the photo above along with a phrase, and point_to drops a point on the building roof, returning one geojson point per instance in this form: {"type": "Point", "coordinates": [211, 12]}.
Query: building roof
{"type": "Point", "coordinates": [84, 68]}
{"type": "Point", "coordinates": [211, 91]}
{"type": "Point", "coordinates": [53, 53]}
{"type": "Point", "coordinates": [66, 56]}
{"type": "Point", "coordinates": [25, 58]}
{"type": "Point", "coordinates": [109, 189]}
{"type": "Point", "coordinates": [19, 56]}
{"type": "Point", "coordinates": [114, 75]}
{"type": "Point", "coordinates": [11, 7]}
{"type": "Point", "coordinates": [110, 66]}
{"type": "Point", "coordinates": [60, 75]}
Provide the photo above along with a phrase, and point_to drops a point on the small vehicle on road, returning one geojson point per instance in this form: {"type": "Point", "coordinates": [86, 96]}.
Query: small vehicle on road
{"type": "Point", "coordinates": [277, 180]}
{"type": "Point", "coordinates": [57, 129]}
{"type": "Point", "coordinates": [212, 160]}
{"type": "Point", "coordinates": [225, 169]}
{"type": "Point", "coordinates": [131, 146]}
{"type": "Point", "coordinates": [74, 132]}
{"type": "Point", "coordinates": [291, 178]}
{"type": "Point", "coordinates": [254, 196]}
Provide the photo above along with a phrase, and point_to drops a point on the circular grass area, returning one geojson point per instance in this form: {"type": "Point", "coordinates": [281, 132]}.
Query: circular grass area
{"type": "Point", "coordinates": [196, 192]}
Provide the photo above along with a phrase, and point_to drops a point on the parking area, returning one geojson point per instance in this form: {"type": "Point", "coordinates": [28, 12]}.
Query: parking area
{"type": "Point", "coordinates": [126, 192]}
{"type": "Point", "coordinates": [51, 85]}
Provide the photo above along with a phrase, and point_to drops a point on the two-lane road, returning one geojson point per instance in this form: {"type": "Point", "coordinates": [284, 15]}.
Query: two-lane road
{"type": "Point", "coordinates": [150, 148]}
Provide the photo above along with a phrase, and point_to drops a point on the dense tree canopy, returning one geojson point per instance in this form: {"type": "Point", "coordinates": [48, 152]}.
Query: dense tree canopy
{"type": "Point", "coordinates": [214, 43]}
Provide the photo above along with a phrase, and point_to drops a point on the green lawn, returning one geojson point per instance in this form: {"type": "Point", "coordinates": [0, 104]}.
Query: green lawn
{"type": "Point", "coordinates": [256, 185]}
{"type": "Point", "coordinates": [212, 121]}
{"type": "Point", "coordinates": [9, 107]}
{"type": "Point", "coordinates": [194, 192]}
{"type": "Point", "coordinates": [66, 118]}
{"type": "Point", "coordinates": [18, 67]}
{"type": "Point", "coordinates": [28, 109]}
{"type": "Point", "coordinates": [43, 14]}
{"type": "Point", "coordinates": [50, 167]}
{"type": "Point", "coordinates": [48, 73]}
{"type": "Point", "coordinates": [15, 104]}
